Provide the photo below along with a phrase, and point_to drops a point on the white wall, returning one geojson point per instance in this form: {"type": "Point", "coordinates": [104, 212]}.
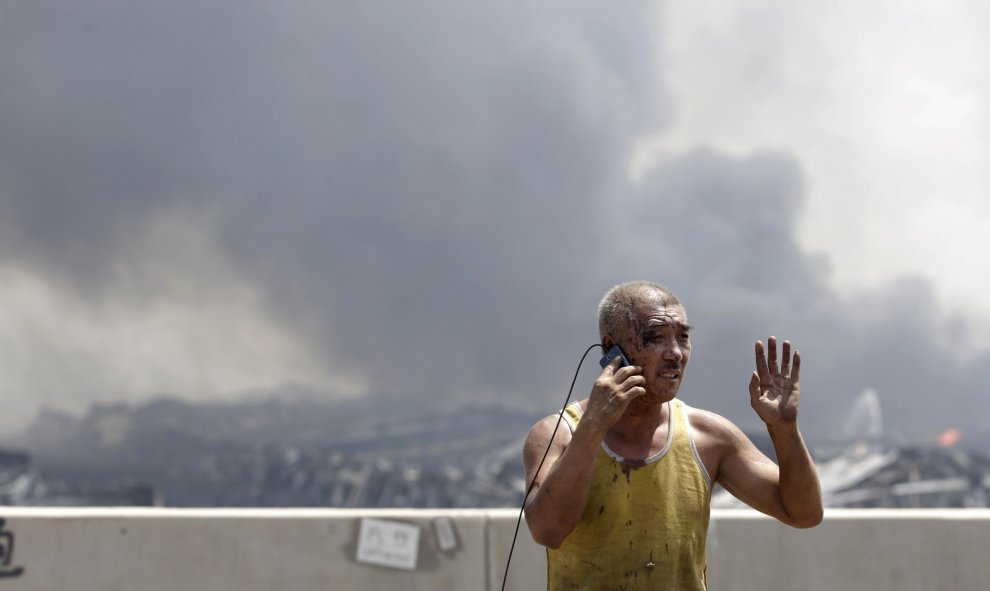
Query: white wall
{"type": "Point", "coordinates": [246, 550]}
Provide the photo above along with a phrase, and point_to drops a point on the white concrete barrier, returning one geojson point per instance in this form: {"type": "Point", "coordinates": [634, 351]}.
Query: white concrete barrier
{"type": "Point", "coordinates": [54, 549]}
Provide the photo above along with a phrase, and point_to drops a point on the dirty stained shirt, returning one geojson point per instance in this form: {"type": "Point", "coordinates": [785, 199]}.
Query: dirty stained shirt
{"type": "Point", "coordinates": [645, 523]}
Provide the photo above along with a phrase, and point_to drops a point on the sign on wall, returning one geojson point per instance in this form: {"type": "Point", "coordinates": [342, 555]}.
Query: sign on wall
{"type": "Point", "coordinates": [388, 543]}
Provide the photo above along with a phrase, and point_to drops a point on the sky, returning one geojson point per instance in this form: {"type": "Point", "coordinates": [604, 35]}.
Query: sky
{"type": "Point", "coordinates": [422, 203]}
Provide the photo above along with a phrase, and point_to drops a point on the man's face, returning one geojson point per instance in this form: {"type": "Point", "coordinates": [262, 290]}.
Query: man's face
{"type": "Point", "coordinates": [658, 340]}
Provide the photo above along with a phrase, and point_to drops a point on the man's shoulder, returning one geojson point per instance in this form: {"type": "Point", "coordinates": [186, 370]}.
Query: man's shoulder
{"type": "Point", "coordinates": [551, 419]}
{"type": "Point", "coordinates": [546, 426]}
{"type": "Point", "coordinates": [711, 424]}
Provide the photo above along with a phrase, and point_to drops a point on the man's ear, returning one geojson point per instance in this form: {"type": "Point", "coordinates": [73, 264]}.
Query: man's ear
{"type": "Point", "coordinates": [607, 342]}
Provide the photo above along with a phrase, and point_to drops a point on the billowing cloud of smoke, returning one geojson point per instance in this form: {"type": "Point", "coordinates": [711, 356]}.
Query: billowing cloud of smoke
{"type": "Point", "coordinates": [418, 203]}
{"type": "Point", "coordinates": [410, 192]}
{"type": "Point", "coordinates": [722, 230]}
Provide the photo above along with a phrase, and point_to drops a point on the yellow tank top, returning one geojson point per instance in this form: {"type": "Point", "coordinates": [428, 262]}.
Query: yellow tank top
{"type": "Point", "coordinates": [645, 523]}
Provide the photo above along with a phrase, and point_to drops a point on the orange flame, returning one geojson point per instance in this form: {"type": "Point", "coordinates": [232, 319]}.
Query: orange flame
{"type": "Point", "coordinates": [949, 438]}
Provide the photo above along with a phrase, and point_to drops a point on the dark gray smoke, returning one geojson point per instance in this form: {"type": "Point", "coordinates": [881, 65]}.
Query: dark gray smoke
{"type": "Point", "coordinates": [432, 197]}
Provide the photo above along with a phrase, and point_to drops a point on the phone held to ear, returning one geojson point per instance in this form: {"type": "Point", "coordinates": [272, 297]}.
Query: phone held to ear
{"type": "Point", "coordinates": [614, 352]}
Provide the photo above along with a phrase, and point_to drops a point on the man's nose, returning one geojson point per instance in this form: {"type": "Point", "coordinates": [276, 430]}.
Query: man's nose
{"type": "Point", "coordinates": [673, 352]}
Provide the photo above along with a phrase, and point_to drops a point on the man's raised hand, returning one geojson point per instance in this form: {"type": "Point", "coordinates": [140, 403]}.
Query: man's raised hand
{"type": "Point", "coordinates": [774, 391]}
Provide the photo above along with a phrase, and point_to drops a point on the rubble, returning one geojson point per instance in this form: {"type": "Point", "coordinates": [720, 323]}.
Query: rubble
{"type": "Point", "coordinates": [167, 453]}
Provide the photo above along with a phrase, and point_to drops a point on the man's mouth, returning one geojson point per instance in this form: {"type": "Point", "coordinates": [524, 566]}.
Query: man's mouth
{"type": "Point", "coordinates": [669, 375]}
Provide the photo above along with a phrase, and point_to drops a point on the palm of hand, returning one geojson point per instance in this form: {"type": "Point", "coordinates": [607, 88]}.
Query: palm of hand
{"type": "Point", "coordinates": [775, 393]}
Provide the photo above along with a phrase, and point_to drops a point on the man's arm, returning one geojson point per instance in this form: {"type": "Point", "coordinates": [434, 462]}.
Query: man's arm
{"type": "Point", "coordinates": [790, 490]}
{"type": "Point", "coordinates": [563, 483]}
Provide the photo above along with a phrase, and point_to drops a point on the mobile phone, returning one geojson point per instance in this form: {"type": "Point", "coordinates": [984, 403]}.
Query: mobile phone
{"type": "Point", "coordinates": [614, 352]}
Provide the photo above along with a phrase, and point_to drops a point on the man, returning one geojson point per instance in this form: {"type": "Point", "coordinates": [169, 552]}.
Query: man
{"type": "Point", "coordinates": [622, 499]}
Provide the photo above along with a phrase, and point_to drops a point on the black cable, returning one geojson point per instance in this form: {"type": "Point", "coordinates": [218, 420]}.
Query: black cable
{"type": "Point", "coordinates": [545, 454]}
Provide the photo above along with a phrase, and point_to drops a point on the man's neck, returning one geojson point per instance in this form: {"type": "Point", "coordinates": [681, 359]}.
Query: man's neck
{"type": "Point", "coordinates": [640, 422]}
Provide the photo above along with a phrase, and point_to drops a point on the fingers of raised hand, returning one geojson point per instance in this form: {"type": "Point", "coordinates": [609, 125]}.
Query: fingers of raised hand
{"type": "Point", "coordinates": [767, 364]}
{"type": "Point", "coordinates": [796, 370]}
{"type": "Point", "coordinates": [761, 363]}
{"type": "Point", "coordinates": [754, 386]}
{"type": "Point", "coordinates": [789, 370]}
{"type": "Point", "coordinates": [772, 355]}
{"type": "Point", "coordinates": [785, 367]}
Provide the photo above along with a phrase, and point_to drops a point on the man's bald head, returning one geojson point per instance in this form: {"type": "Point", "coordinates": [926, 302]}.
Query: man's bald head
{"type": "Point", "coordinates": [617, 309]}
